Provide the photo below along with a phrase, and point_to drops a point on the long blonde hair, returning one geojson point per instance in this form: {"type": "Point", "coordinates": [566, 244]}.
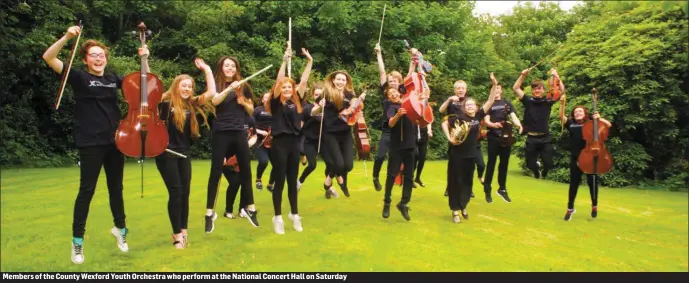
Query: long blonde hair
{"type": "Point", "coordinates": [183, 105]}
{"type": "Point", "coordinates": [331, 93]}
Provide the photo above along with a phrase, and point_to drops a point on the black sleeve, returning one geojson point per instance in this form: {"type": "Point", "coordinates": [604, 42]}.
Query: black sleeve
{"type": "Point", "coordinates": [481, 114]}
{"type": "Point", "coordinates": [391, 111]}
{"type": "Point", "coordinates": [164, 110]}
{"type": "Point", "coordinates": [246, 91]}
{"type": "Point", "coordinates": [510, 106]}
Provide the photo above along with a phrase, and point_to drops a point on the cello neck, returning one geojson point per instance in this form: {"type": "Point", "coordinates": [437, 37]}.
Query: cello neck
{"type": "Point", "coordinates": [595, 121]}
{"type": "Point", "coordinates": [144, 63]}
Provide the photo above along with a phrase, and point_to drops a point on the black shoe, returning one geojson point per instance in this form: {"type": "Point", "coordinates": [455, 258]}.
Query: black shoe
{"type": "Point", "coordinates": [259, 185]}
{"type": "Point", "coordinates": [252, 216]}
{"type": "Point", "coordinates": [503, 194]}
{"type": "Point", "coordinates": [270, 187]}
{"type": "Point", "coordinates": [344, 189]}
{"type": "Point", "coordinates": [376, 184]}
{"type": "Point", "coordinates": [472, 195]}
{"type": "Point", "coordinates": [445, 192]}
{"type": "Point", "coordinates": [419, 182]}
{"type": "Point", "coordinates": [404, 209]}
{"type": "Point", "coordinates": [594, 212]}
{"type": "Point", "coordinates": [328, 195]}
{"type": "Point", "coordinates": [489, 198]}
{"type": "Point", "coordinates": [465, 215]}
{"type": "Point", "coordinates": [568, 216]}
{"type": "Point", "coordinates": [413, 185]}
{"type": "Point", "coordinates": [386, 210]}
{"type": "Point", "coordinates": [210, 222]}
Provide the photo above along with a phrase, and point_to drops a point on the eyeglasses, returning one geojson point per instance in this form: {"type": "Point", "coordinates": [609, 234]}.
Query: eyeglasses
{"type": "Point", "coordinates": [97, 55]}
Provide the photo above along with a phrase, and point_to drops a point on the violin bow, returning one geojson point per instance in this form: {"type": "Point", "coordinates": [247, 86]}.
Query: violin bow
{"type": "Point", "coordinates": [65, 73]}
{"type": "Point", "coordinates": [544, 57]}
{"type": "Point", "coordinates": [289, 45]}
{"type": "Point", "coordinates": [381, 24]}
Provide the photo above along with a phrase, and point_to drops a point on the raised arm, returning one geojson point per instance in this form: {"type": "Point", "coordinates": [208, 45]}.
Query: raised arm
{"type": "Point", "coordinates": [288, 54]}
{"type": "Point", "coordinates": [301, 89]}
{"type": "Point", "coordinates": [518, 84]}
{"type": "Point", "coordinates": [491, 98]}
{"type": "Point", "coordinates": [381, 65]}
{"type": "Point", "coordinates": [563, 104]}
{"type": "Point", "coordinates": [210, 81]}
{"type": "Point", "coordinates": [50, 55]}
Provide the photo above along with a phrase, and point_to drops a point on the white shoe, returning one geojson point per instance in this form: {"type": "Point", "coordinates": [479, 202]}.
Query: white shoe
{"type": "Point", "coordinates": [77, 253]}
{"type": "Point", "coordinates": [278, 225]}
{"type": "Point", "coordinates": [121, 238]}
{"type": "Point", "coordinates": [296, 222]}
{"type": "Point", "coordinates": [298, 185]}
{"type": "Point", "coordinates": [333, 193]}
{"type": "Point", "coordinates": [242, 213]}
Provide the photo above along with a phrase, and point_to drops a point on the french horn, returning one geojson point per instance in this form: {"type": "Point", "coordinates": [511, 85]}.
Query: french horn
{"type": "Point", "coordinates": [459, 131]}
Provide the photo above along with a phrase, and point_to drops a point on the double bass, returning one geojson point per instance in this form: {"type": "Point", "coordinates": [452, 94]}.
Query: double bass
{"type": "Point", "coordinates": [418, 110]}
{"type": "Point", "coordinates": [357, 120]}
{"type": "Point", "coordinates": [595, 158]}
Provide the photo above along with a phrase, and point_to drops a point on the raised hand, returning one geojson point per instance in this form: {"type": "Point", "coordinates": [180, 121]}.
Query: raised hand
{"type": "Point", "coordinates": [73, 31]}
{"type": "Point", "coordinates": [377, 48]}
{"type": "Point", "coordinates": [526, 72]}
{"type": "Point", "coordinates": [143, 51]}
{"type": "Point", "coordinates": [200, 64]}
{"type": "Point", "coordinates": [307, 54]}
{"type": "Point", "coordinates": [288, 54]}
{"type": "Point", "coordinates": [493, 79]}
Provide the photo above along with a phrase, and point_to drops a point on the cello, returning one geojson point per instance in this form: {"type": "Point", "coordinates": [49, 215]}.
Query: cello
{"type": "Point", "coordinates": [418, 110]}
{"type": "Point", "coordinates": [357, 120]}
{"type": "Point", "coordinates": [507, 134]}
{"type": "Point", "coordinates": [594, 158]}
{"type": "Point", "coordinates": [142, 133]}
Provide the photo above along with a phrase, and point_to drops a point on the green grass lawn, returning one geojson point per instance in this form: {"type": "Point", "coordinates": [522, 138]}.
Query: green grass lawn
{"type": "Point", "coordinates": [636, 230]}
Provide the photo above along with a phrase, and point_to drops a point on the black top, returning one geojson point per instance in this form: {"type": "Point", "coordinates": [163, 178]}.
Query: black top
{"type": "Point", "coordinates": [262, 118]}
{"type": "Point", "coordinates": [536, 113]}
{"type": "Point", "coordinates": [230, 116]}
{"type": "Point", "coordinates": [312, 123]}
{"type": "Point", "coordinates": [96, 114]}
{"type": "Point", "coordinates": [333, 123]}
{"type": "Point", "coordinates": [179, 141]}
{"type": "Point", "coordinates": [422, 134]}
{"type": "Point", "coordinates": [404, 134]}
{"type": "Point", "coordinates": [456, 107]}
{"type": "Point", "coordinates": [497, 114]}
{"type": "Point", "coordinates": [576, 138]}
{"type": "Point", "coordinates": [286, 119]}
{"type": "Point", "coordinates": [467, 149]}
{"type": "Point", "coordinates": [386, 102]}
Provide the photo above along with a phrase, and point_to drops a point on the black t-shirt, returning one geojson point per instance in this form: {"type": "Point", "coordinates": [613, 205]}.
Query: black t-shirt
{"type": "Point", "coordinates": [179, 141]}
{"type": "Point", "coordinates": [286, 118]}
{"type": "Point", "coordinates": [467, 149]}
{"type": "Point", "coordinates": [404, 134]}
{"type": "Point", "coordinates": [386, 102]}
{"type": "Point", "coordinates": [96, 114]}
{"type": "Point", "coordinates": [333, 123]}
{"type": "Point", "coordinates": [536, 113]}
{"type": "Point", "coordinates": [499, 112]}
{"type": "Point", "coordinates": [456, 107]}
{"type": "Point", "coordinates": [262, 118]}
{"type": "Point", "coordinates": [422, 134]}
{"type": "Point", "coordinates": [576, 138]}
{"type": "Point", "coordinates": [312, 123]}
{"type": "Point", "coordinates": [230, 116]}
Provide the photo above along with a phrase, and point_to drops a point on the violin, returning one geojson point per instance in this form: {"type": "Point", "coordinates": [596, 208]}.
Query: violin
{"type": "Point", "coordinates": [595, 158]}
{"type": "Point", "coordinates": [483, 131]}
{"type": "Point", "coordinates": [554, 91]}
{"type": "Point", "coordinates": [142, 133]}
{"type": "Point", "coordinates": [232, 162]}
{"type": "Point", "coordinates": [252, 137]}
{"type": "Point", "coordinates": [267, 140]}
{"type": "Point", "coordinates": [507, 135]}
{"type": "Point", "coordinates": [418, 110]}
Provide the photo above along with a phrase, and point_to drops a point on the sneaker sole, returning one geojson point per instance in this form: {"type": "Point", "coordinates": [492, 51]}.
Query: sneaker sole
{"type": "Point", "coordinates": [215, 216]}
{"type": "Point", "coordinates": [118, 244]}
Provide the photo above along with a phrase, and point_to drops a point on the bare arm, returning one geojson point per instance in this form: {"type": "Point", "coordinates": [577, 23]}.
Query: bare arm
{"type": "Point", "coordinates": [381, 66]}
{"type": "Point", "coordinates": [393, 121]}
{"type": "Point", "coordinates": [281, 73]}
{"type": "Point", "coordinates": [563, 104]}
{"type": "Point", "coordinates": [447, 102]}
{"type": "Point", "coordinates": [493, 92]}
{"type": "Point", "coordinates": [50, 55]}
{"type": "Point", "coordinates": [301, 89]}
{"type": "Point", "coordinates": [446, 129]}
{"type": "Point", "coordinates": [518, 84]}
{"type": "Point", "coordinates": [210, 81]}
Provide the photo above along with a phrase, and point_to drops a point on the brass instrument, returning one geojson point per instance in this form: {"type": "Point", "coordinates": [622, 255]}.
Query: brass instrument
{"type": "Point", "coordinates": [459, 131]}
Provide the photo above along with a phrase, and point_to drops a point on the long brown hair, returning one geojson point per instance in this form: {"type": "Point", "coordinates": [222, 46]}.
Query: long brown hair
{"type": "Point", "coordinates": [331, 93]}
{"type": "Point", "coordinates": [220, 77]}
{"type": "Point", "coordinates": [277, 91]}
{"type": "Point", "coordinates": [314, 87]}
{"type": "Point", "coordinates": [183, 105]}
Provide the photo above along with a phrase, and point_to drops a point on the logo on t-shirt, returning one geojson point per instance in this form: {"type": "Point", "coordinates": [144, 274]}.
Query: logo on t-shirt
{"type": "Point", "coordinates": [100, 84]}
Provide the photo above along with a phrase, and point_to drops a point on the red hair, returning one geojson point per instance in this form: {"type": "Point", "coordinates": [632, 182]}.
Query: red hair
{"type": "Point", "coordinates": [277, 91]}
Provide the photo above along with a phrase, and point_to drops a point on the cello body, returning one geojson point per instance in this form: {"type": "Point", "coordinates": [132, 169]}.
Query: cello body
{"type": "Point", "coordinates": [363, 145]}
{"type": "Point", "coordinates": [595, 158]}
{"type": "Point", "coordinates": [142, 133]}
{"type": "Point", "coordinates": [418, 111]}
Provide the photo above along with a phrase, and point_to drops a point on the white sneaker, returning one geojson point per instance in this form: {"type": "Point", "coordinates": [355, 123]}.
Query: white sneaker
{"type": "Point", "coordinates": [278, 225]}
{"type": "Point", "coordinates": [296, 222]}
{"type": "Point", "coordinates": [298, 185]}
{"type": "Point", "coordinates": [121, 238]}
{"type": "Point", "coordinates": [333, 193]}
{"type": "Point", "coordinates": [242, 213]}
{"type": "Point", "coordinates": [77, 253]}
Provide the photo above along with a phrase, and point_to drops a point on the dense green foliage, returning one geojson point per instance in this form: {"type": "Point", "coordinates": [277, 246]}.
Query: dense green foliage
{"type": "Point", "coordinates": [635, 53]}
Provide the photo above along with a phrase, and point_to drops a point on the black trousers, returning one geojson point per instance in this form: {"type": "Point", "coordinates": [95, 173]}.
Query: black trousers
{"type": "Point", "coordinates": [228, 144]}
{"type": "Point", "coordinates": [480, 164]}
{"type": "Point", "coordinates": [398, 158]}
{"type": "Point", "coordinates": [539, 146]}
{"type": "Point", "coordinates": [92, 159]}
{"type": "Point", "coordinates": [176, 173]}
{"type": "Point", "coordinates": [263, 156]}
{"type": "Point", "coordinates": [234, 181]}
{"type": "Point", "coordinates": [460, 173]}
{"type": "Point", "coordinates": [285, 158]}
{"type": "Point", "coordinates": [420, 159]}
{"type": "Point", "coordinates": [310, 148]}
{"type": "Point", "coordinates": [575, 174]}
{"type": "Point", "coordinates": [339, 153]}
{"type": "Point", "coordinates": [383, 148]}
{"type": "Point", "coordinates": [495, 150]}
